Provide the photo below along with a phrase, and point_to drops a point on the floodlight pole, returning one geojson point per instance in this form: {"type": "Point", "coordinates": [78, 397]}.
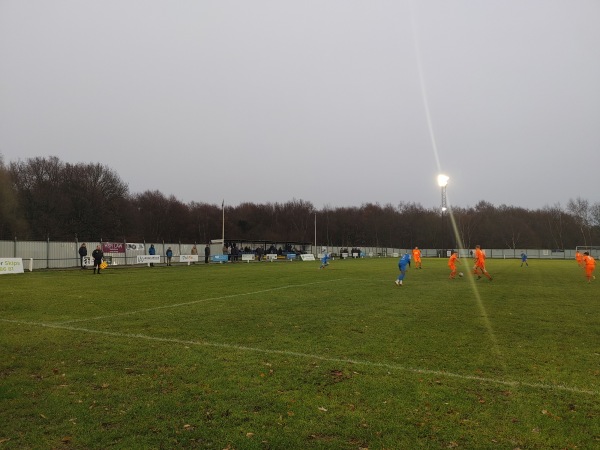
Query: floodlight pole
{"type": "Point", "coordinates": [443, 182]}
{"type": "Point", "coordinates": [443, 221]}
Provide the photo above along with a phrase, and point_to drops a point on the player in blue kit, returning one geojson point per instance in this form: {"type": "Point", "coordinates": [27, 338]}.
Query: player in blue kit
{"type": "Point", "coordinates": [324, 262]}
{"type": "Point", "coordinates": [402, 265]}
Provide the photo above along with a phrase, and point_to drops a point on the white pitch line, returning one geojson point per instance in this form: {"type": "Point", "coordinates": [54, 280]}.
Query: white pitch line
{"type": "Point", "coordinates": [437, 373]}
{"type": "Point", "coordinates": [177, 305]}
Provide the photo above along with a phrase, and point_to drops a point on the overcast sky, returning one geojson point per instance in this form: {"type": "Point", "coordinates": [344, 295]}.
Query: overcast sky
{"type": "Point", "coordinates": [335, 102]}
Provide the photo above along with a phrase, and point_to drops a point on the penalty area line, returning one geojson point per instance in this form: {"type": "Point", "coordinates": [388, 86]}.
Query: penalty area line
{"type": "Point", "coordinates": [194, 302]}
{"type": "Point", "coordinates": [364, 363]}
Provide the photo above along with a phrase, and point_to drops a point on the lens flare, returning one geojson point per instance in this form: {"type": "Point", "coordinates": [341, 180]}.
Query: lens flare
{"type": "Point", "coordinates": [442, 182]}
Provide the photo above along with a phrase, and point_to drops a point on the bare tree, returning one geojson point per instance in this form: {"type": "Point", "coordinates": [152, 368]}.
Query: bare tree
{"type": "Point", "coordinates": [38, 182]}
{"type": "Point", "coordinates": [98, 202]}
{"type": "Point", "coordinates": [152, 207]}
{"type": "Point", "coordinates": [205, 222]}
{"type": "Point", "coordinates": [595, 214]}
{"type": "Point", "coordinates": [44, 197]}
{"type": "Point", "coordinates": [554, 218]}
{"type": "Point", "coordinates": [12, 223]}
{"type": "Point", "coordinates": [580, 209]}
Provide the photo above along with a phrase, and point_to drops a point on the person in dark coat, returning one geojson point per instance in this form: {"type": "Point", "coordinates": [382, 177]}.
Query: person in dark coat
{"type": "Point", "coordinates": [82, 254]}
{"type": "Point", "coordinates": [206, 253]}
{"type": "Point", "coordinates": [152, 252]}
{"type": "Point", "coordinates": [97, 254]}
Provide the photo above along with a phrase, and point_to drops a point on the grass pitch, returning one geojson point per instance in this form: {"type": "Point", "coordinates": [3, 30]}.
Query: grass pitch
{"type": "Point", "coordinates": [284, 355]}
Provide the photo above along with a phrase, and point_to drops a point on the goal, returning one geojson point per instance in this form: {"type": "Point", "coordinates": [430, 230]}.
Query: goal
{"type": "Point", "coordinates": [593, 250]}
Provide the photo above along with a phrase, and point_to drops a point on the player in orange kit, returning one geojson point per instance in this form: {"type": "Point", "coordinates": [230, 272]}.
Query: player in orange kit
{"type": "Point", "coordinates": [452, 264]}
{"type": "Point", "coordinates": [480, 264]}
{"type": "Point", "coordinates": [579, 258]}
{"type": "Point", "coordinates": [417, 257]}
{"type": "Point", "coordinates": [590, 266]}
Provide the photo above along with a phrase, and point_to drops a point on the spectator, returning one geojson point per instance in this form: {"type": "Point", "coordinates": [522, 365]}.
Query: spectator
{"type": "Point", "coordinates": [206, 253]}
{"type": "Point", "coordinates": [194, 252]}
{"type": "Point", "coordinates": [82, 254]}
{"type": "Point", "coordinates": [152, 252]}
{"type": "Point", "coordinates": [97, 254]}
{"type": "Point", "coordinates": [169, 255]}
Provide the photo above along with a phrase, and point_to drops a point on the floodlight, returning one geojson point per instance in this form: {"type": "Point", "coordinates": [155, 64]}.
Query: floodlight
{"type": "Point", "coordinates": [442, 180]}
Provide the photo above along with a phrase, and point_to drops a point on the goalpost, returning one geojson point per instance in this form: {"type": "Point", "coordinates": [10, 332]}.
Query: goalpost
{"type": "Point", "coordinates": [593, 250]}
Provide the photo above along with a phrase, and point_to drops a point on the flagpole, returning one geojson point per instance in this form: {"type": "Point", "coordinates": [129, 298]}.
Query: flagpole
{"type": "Point", "coordinates": [316, 252]}
{"type": "Point", "coordinates": [223, 227]}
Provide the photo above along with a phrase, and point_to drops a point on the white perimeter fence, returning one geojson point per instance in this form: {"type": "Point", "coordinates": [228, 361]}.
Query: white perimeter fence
{"type": "Point", "coordinates": [62, 255]}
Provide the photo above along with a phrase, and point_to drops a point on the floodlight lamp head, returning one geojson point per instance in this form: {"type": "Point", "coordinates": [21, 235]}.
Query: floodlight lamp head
{"type": "Point", "coordinates": [444, 209]}
{"type": "Point", "coordinates": [442, 180]}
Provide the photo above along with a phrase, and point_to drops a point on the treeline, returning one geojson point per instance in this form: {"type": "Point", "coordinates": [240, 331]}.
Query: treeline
{"type": "Point", "coordinates": [45, 198]}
